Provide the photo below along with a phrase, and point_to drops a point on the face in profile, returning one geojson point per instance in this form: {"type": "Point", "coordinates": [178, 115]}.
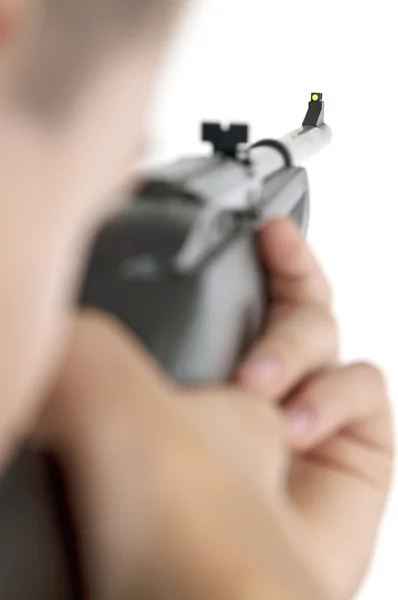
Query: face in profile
{"type": "Point", "coordinates": [73, 106]}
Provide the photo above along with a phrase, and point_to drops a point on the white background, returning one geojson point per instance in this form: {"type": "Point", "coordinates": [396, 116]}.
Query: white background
{"type": "Point", "coordinates": [258, 61]}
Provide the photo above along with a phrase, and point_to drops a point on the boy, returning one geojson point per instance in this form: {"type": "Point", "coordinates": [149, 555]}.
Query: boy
{"type": "Point", "coordinates": [244, 491]}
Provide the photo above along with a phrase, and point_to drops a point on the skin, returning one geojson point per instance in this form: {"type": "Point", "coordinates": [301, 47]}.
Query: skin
{"type": "Point", "coordinates": [234, 492]}
{"type": "Point", "coordinates": [59, 181]}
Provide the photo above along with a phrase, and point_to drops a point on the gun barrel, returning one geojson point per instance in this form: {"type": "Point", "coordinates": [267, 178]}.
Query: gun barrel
{"type": "Point", "coordinates": [301, 145]}
{"type": "Point", "coordinates": [307, 141]}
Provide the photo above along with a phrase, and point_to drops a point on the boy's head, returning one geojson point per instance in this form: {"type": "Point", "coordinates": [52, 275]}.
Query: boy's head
{"type": "Point", "coordinates": [69, 41]}
{"type": "Point", "coordinates": [75, 80]}
{"type": "Point", "coordinates": [75, 77]}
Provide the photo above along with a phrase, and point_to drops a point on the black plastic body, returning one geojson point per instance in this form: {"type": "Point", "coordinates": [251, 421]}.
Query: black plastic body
{"type": "Point", "coordinates": [197, 325]}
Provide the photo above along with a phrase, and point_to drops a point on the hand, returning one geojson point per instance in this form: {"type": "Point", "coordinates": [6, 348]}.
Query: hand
{"type": "Point", "coordinates": [338, 419]}
{"type": "Point", "coordinates": [245, 488]}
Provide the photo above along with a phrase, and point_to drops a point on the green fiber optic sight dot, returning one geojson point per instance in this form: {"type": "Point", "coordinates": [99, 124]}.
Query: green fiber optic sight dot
{"type": "Point", "coordinates": [315, 114]}
{"type": "Point", "coordinates": [316, 97]}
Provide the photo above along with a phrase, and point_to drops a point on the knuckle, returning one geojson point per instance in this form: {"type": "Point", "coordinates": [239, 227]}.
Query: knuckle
{"type": "Point", "coordinates": [324, 317]}
{"type": "Point", "coordinates": [328, 294]}
{"type": "Point", "coordinates": [372, 373]}
{"type": "Point", "coordinates": [330, 324]}
{"type": "Point", "coordinates": [317, 326]}
{"type": "Point", "coordinates": [302, 330]}
{"type": "Point", "coordinates": [325, 333]}
{"type": "Point", "coordinates": [372, 376]}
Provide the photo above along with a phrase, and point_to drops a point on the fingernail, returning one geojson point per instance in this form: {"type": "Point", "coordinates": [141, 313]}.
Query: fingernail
{"type": "Point", "coordinates": [261, 370]}
{"type": "Point", "coordinates": [300, 422]}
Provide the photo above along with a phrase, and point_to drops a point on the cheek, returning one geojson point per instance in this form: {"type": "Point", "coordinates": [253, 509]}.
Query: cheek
{"type": "Point", "coordinates": [113, 122]}
{"type": "Point", "coordinates": [105, 150]}
{"type": "Point", "coordinates": [105, 134]}
{"type": "Point", "coordinates": [122, 129]}
{"type": "Point", "coordinates": [35, 325]}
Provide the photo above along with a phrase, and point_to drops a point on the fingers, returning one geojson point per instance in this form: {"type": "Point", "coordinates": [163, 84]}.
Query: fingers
{"type": "Point", "coordinates": [340, 425]}
{"type": "Point", "coordinates": [301, 335]}
{"type": "Point", "coordinates": [295, 275]}
{"type": "Point", "coordinates": [302, 340]}
{"type": "Point", "coordinates": [353, 399]}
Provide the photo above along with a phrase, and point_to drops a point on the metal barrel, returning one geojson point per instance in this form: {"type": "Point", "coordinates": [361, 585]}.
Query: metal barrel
{"type": "Point", "coordinates": [307, 141]}
{"type": "Point", "coordinates": [301, 145]}
{"type": "Point", "coordinates": [312, 137]}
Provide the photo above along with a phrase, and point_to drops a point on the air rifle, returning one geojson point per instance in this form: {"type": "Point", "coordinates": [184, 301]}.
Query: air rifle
{"type": "Point", "coordinates": [180, 266]}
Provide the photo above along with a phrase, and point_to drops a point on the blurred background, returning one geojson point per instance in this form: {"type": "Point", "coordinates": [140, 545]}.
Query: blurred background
{"type": "Point", "coordinates": [258, 61]}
